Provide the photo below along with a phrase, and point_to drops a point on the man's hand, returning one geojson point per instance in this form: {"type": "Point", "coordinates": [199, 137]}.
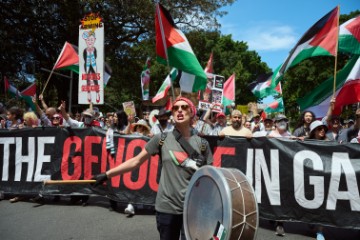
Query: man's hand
{"type": "Point", "coordinates": [100, 179]}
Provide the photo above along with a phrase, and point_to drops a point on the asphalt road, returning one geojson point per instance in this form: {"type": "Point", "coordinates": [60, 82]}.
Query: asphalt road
{"type": "Point", "coordinates": [61, 221]}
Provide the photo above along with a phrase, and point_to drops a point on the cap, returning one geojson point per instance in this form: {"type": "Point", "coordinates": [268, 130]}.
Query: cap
{"type": "Point", "coordinates": [268, 119]}
{"type": "Point", "coordinates": [315, 124]}
{"type": "Point", "coordinates": [280, 117]}
{"type": "Point", "coordinates": [163, 112]}
{"type": "Point", "coordinates": [220, 114]}
{"type": "Point", "coordinates": [88, 112]}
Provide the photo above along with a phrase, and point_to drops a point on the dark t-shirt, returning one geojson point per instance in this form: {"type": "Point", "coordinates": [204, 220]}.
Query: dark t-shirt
{"type": "Point", "coordinates": [174, 178]}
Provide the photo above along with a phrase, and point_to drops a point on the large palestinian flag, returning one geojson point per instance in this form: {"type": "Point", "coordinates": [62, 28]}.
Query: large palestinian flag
{"type": "Point", "coordinates": [319, 40]}
{"type": "Point", "coordinates": [349, 36]}
{"type": "Point", "coordinates": [318, 100]}
{"type": "Point", "coordinates": [173, 49]}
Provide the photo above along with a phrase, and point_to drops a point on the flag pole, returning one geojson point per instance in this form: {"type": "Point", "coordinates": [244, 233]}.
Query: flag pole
{"type": "Point", "coordinates": [336, 50]}
{"type": "Point", "coordinates": [52, 70]}
{"type": "Point", "coordinates": [164, 43]}
{"type": "Point", "coordinates": [47, 81]}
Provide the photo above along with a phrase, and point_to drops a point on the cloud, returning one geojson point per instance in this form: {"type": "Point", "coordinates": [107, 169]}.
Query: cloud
{"type": "Point", "coordinates": [263, 36]}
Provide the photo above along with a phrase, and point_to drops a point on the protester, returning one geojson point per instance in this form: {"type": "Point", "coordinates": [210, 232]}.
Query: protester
{"type": "Point", "coordinates": [349, 123]}
{"type": "Point", "coordinates": [177, 168]}
{"type": "Point", "coordinates": [236, 128]}
{"type": "Point", "coordinates": [356, 139]}
{"type": "Point", "coordinates": [280, 131]}
{"type": "Point", "coordinates": [14, 117]}
{"type": "Point", "coordinates": [57, 120]}
{"type": "Point", "coordinates": [30, 120]}
{"type": "Point", "coordinates": [318, 132]}
{"type": "Point", "coordinates": [44, 117]}
{"type": "Point", "coordinates": [2, 121]}
{"type": "Point", "coordinates": [220, 121]}
{"type": "Point", "coordinates": [247, 124]}
{"type": "Point", "coordinates": [140, 128]}
{"type": "Point", "coordinates": [281, 127]}
{"type": "Point", "coordinates": [121, 121]}
{"type": "Point", "coordinates": [334, 128]}
{"type": "Point", "coordinates": [163, 124]}
{"type": "Point", "coordinates": [348, 134]}
{"type": "Point", "coordinates": [201, 127]}
{"type": "Point", "coordinates": [268, 127]}
{"type": "Point", "coordinates": [256, 124]}
{"type": "Point", "coordinates": [303, 127]}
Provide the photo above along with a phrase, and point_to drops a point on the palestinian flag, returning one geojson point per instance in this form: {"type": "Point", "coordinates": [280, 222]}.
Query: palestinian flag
{"type": "Point", "coordinates": [27, 95]}
{"type": "Point", "coordinates": [11, 89]}
{"type": "Point", "coordinates": [276, 106]}
{"type": "Point", "coordinates": [350, 91]}
{"type": "Point", "coordinates": [262, 87]}
{"type": "Point", "coordinates": [165, 86]}
{"type": "Point", "coordinates": [173, 49]}
{"type": "Point", "coordinates": [67, 61]}
{"type": "Point", "coordinates": [318, 100]}
{"type": "Point", "coordinates": [320, 40]}
{"type": "Point", "coordinates": [145, 80]}
{"type": "Point", "coordinates": [229, 91]}
{"type": "Point", "coordinates": [68, 58]}
{"type": "Point", "coordinates": [349, 36]}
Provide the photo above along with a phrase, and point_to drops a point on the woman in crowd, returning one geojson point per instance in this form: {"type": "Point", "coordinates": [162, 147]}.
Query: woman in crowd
{"type": "Point", "coordinates": [303, 128]}
{"type": "Point", "coordinates": [30, 120]}
{"type": "Point", "coordinates": [14, 115]}
{"type": "Point", "coordinates": [318, 132]}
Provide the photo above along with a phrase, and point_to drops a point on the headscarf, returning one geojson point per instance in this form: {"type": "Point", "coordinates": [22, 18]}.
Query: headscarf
{"type": "Point", "coordinates": [189, 102]}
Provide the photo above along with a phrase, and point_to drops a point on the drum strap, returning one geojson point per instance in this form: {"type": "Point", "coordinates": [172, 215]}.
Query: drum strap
{"type": "Point", "coordinates": [186, 145]}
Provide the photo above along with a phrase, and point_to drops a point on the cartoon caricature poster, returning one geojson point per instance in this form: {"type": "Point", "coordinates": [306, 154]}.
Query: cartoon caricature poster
{"type": "Point", "coordinates": [91, 60]}
{"type": "Point", "coordinates": [213, 93]}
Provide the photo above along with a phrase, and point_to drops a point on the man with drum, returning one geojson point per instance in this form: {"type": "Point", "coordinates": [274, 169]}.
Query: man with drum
{"type": "Point", "coordinates": [177, 167]}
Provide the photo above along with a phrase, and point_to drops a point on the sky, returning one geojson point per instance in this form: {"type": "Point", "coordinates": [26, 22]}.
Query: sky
{"type": "Point", "coordinates": [273, 27]}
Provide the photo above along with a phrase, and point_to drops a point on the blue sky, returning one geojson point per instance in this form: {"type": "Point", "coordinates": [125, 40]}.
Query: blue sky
{"type": "Point", "coordinates": [273, 27]}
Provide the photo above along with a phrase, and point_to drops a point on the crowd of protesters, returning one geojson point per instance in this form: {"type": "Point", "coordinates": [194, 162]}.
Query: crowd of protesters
{"type": "Point", "coordinates": [206, 122]}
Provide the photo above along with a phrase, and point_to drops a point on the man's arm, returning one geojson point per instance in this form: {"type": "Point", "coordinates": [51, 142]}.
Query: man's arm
{"type": "Point", "coordinates": [43, 104]}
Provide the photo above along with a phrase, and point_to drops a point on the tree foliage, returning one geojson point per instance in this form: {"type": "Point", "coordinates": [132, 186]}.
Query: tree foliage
{"type": "Point", "coordinates": [34, 31]}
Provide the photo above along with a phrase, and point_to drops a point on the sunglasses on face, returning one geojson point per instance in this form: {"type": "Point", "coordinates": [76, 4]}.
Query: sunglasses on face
{"type": "Point", "coordinates": [55, 118]}
{"type": "Point", "coordinates": [320, 129]}
{"type": "Point", "coordinates": [183, 107]}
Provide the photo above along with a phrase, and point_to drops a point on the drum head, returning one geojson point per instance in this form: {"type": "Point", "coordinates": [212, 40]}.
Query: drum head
{"type": "Point", "coordinates": [209, 207]}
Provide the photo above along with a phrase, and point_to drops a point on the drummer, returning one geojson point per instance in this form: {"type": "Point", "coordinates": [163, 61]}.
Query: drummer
{"type": "Point", "coordinates": [177, 168]}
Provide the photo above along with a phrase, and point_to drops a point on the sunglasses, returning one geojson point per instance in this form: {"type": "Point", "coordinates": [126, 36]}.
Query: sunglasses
{"type": "Point", "coordinates": [320, 129]}
{"type": "Point", "coordinates": [55, 118]}
{"type": "Point", "coordinates": [183, 107]}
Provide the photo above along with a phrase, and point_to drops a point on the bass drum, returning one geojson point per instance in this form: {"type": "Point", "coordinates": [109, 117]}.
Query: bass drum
{"type": "Point", "coordinates": [220, 204]}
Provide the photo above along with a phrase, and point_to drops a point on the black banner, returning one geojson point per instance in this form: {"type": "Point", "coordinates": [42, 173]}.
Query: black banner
{"type": "Point", "coordinates": [308, 181]}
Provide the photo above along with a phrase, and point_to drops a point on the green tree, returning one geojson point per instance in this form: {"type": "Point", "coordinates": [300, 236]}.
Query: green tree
{"type": "Point", "coordinates": [34, 32]}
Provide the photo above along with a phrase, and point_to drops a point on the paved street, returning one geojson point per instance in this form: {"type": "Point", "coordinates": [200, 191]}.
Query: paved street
{"type": "Point", "coordinates": [60, 221]}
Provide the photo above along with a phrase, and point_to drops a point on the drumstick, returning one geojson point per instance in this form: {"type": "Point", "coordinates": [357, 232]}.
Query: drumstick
{"type": "Point", "coordinates": [50, 182]}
